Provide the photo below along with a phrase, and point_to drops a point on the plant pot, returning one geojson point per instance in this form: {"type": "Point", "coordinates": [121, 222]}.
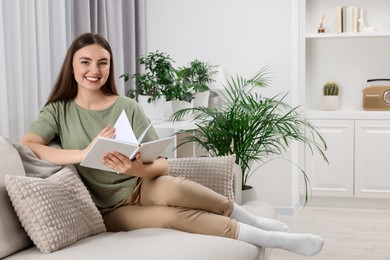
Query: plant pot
{"type": "Point", "coordinates": [201, 99]}
{"type": "Point", "coordinates": [330, 103]}
{"type": "Point", "coordinates": [153, 110]}
{"type": "Point", "coordinates": [248, 194]}
{"type": "Point", "coordinates": [179, 105]}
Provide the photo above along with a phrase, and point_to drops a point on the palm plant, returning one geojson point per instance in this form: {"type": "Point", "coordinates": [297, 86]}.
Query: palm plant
{"type": "Point", "coordinates": [252, 127]}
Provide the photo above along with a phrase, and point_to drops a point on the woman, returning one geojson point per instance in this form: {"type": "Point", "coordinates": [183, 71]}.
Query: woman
{"type": "Point", "coordinates": [84, 104]}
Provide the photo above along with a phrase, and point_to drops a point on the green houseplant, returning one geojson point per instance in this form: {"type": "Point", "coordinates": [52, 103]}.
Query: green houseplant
{"type": "Point", "coordinates": [156, 80]}
{"type": "Point", "coordinates": [252, 127]}
{"type": "Point", "coordinates": [190, 80]}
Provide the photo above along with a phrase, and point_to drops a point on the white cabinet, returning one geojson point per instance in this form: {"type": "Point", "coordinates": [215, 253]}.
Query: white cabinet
{"type": "Point", "coordinates": [336, 178]}
{"type": "Point", "coordinates": [358, 159]}
{"type": "Point", "coordinates": [358, 140]}
{"type": "Point", "coordinates": [372, 157]}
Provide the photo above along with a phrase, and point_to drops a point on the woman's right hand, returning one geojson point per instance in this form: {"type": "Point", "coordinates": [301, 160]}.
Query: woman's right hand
{"type": "Point", "coordinates": [108, 132]}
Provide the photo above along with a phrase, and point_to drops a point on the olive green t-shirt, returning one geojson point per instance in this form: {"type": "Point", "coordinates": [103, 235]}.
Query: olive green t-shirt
{"type": "Point", "coordinates": [76, 127]}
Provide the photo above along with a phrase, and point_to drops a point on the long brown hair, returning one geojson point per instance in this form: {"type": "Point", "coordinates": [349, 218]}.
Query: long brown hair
{"type": "Point", "coordinates": [65, 86]}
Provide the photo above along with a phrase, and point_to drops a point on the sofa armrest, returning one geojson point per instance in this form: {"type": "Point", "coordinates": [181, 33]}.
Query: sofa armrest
{"type": "Point", "coordinates": [216, 173]}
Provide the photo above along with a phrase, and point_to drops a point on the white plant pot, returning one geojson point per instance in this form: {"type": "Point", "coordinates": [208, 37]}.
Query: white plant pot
{"type": "Point", "coordinates": [201, 99]}
{"type": "Point", "coordinates": [248, 195]}
{"type": "Point", "coordinates": [179, 104]}
{"type": "Point", "coordinates": [330, 103]}
{"type": "Point", "coordinates": [153, 110]}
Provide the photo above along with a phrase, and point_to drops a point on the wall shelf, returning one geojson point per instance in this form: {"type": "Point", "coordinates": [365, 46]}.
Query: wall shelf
{"type": "Point", "coordinates": [347, 35]}
{"type": "Point", "coordinates": [348, 114]}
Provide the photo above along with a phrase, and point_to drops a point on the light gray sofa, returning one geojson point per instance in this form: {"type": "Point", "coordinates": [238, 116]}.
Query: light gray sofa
{"type": "Point", "coordinates": [152, 243]}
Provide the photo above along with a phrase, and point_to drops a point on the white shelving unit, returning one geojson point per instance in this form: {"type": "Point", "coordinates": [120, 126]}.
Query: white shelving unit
{"type": "Point", "coordinates": [349, 59]}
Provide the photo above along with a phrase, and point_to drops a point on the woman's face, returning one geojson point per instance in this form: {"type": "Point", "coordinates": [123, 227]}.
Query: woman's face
{"type": "Point", "coordinates": [91, 67]}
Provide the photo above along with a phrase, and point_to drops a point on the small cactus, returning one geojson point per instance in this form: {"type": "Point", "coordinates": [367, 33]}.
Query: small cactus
{"type": "Point", "coordinates": [331, 89]}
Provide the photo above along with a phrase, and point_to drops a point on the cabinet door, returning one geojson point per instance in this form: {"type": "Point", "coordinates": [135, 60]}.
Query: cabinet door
{"type": "Point", "coordinates": [372, 175]}
{"type": "Point", "coordinates": [336, 178]}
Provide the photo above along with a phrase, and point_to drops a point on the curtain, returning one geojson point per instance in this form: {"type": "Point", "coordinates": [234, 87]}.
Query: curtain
{"type": "Point", "coordinates": [34, 37]}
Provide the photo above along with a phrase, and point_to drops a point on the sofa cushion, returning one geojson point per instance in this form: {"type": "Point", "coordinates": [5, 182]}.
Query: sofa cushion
{"type": "Point", "coordinates": [33, 166]}
{"type": "Point", "coordinates": [151, 244]}
{"type": "Point", "coordinates": [12, 235]}
{"type": "Point", "coordinates": [216, 173]}
{"type": "Point", "coordinates": [56, 211]}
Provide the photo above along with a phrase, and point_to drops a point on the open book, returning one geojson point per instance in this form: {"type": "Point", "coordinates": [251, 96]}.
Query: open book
{"type": "Point", "coordinates": [126, 143]}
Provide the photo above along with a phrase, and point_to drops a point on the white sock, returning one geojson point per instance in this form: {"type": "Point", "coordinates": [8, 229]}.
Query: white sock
{"type": "Point", "coordinates": [304, 244]}
{"type": "Point", "coordinates": [246, 217]}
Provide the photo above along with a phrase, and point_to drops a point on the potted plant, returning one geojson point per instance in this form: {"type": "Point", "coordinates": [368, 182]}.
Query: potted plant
{"type": "Point", "coordinates": [190, 88]}
{"type": "Point", "coordinates": [199, 74]}
{"type": "Point", "coordinates": [180, 93]}
{"type": "Point", "coordinates": [152, 85]}
{"type": "Point", "coordinates": [252, 127]}
{"type": "Point", "coordinates": [330, 100]}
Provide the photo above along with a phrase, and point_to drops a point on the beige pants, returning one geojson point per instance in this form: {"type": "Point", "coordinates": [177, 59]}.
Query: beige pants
{"type": "Point", "coordinates": [176, 203]}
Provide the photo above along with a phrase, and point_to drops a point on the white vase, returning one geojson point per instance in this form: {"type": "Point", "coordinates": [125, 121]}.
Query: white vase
{"type": "Point", "coordinates": [330, 103]}
{"type": "Point", "coordinates": [248, 195]}
{"type": "Point", "coordinates": [153, 110]}
{"type": "Point", "coordinates": [179, 105]}
{"type": "Point", "coordinates": [201, 99]}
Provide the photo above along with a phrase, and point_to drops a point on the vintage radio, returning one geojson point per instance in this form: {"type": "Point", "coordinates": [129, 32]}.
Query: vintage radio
{"type": "Point", "coordinates": [376, 94]}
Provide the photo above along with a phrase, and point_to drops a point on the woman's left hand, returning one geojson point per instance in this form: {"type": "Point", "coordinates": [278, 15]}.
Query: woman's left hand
{"type": "Point", "coordinates": [122, 164]}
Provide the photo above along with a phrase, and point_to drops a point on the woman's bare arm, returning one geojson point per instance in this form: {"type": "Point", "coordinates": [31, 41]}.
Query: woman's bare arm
{"type": "Point", "coordinates": [59, 156]}
{"type": "Point", "coordinates": [51, 154]}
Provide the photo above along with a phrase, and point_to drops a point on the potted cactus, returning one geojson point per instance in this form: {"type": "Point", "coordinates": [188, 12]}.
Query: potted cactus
{"type": "Point", "coordinates": [330, 100]}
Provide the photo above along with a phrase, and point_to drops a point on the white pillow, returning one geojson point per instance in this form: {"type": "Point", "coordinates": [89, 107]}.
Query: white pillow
{"type": "Point", "coordinates": [216, 173]}
{"type": "Point", "coordinates": [56, 211]}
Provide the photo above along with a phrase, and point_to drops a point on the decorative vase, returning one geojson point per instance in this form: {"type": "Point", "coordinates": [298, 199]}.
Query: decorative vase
{"type": "Point", "coordinates": [201, 99]}
{"type": "Point", "coordinates": [153, 110]}
{"type": "Point", "coordinates": [248, 194]}
{"type": "Point", "coordinates": [330, 103]}
{"type": "Point", "coordinates": [179, 105]}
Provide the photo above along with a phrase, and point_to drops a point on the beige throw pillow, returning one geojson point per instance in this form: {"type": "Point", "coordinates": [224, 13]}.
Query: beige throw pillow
{"type": "Point", "coordinates": [55, 212]}
{"type": "Point", "coordinates": [216, 173]}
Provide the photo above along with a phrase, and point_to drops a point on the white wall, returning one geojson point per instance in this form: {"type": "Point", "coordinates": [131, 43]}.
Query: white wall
{"type": "Point", "coordinates": [241, 36]}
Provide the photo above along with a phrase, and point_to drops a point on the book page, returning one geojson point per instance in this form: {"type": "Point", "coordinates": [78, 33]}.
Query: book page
{"type": "Point", "coordinates": [144, 133]}
{"type": "Point", "coordinates": [123, 129]}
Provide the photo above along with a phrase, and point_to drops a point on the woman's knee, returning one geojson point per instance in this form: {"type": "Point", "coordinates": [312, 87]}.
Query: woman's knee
{"type": "Point", "coordinates": [163, 190]}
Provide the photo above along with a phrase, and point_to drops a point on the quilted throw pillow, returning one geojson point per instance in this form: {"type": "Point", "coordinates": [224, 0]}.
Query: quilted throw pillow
{"type": "Point", "coordinates": [216, 173]}
{"type": "Point", "coordinates": [56, 211]}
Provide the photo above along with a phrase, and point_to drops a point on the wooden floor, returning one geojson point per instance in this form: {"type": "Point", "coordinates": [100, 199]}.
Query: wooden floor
{"type": "Point", "coordinates": [349, 234]}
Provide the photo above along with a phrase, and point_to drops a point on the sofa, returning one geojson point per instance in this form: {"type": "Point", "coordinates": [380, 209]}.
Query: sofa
{"type": "Point", "coordinates": [74, 229]}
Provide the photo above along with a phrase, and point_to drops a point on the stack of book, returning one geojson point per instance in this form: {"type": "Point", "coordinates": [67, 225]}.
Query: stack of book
{"type": "Point", "coordinates": [347, 19]}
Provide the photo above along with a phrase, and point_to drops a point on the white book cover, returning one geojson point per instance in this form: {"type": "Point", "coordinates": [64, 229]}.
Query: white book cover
{"type": "Point", "coordinates": [125, 143]}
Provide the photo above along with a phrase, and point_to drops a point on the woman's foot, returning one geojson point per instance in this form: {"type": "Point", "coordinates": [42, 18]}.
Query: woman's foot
{"type": "Point", "coordinates": [303, 244]}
